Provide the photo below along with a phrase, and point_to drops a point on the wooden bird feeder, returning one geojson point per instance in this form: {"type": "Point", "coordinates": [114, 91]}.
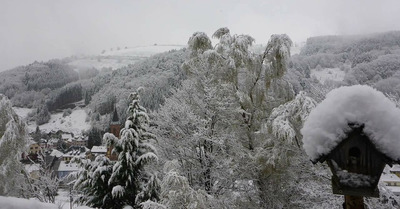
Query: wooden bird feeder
{"type": "Point", "coordinates": [356, 166]}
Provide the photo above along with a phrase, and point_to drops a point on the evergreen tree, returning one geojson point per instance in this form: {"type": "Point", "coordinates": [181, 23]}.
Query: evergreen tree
{"type": "Point", "coordinates": [125, 182]}
{"type": "Point", "coordinates": [92, 182]}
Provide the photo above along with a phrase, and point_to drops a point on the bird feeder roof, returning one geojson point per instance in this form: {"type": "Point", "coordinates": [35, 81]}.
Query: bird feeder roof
{"type": "Point", "coordinates": [328, 124]}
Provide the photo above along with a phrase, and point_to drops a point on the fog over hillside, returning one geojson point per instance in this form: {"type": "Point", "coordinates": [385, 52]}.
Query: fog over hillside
{"type": "Point", "coordinates": [45, 29]}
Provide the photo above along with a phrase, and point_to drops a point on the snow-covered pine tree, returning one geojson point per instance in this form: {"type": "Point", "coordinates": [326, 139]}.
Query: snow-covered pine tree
{"type": "Point", "coordinates": [131, 183]}
{"type": "Point", "coordinates": [92, 182]}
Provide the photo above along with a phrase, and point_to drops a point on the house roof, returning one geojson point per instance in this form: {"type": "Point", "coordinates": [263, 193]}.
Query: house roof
{"type": "Point", "coordinates": [68, 166]}
{"type": "Point", "coordinates": [56, 153]}
{"type": "Point", "coordinates": [99, 149]}
{"type": "Point", "coordinates": [66, 136]}
{"type": "Point", "coordinates": [328, 124]}
{"type": "Point", "coordinates": [395, 168]}
{"type": "Point", "coordinates": [115, 117]}
{"type": "Point", "coordinates": [390, 178]}
{"type": "Point", "coordinates": [394, 189]}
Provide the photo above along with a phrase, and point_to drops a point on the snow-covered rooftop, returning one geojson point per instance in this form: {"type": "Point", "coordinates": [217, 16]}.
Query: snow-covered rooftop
{"type": "Point", "coordinates": [395, 168]}
{"type": "Point", "coordinates": [390, 178]}
{"type": "Point", "coordinates": [68, 166]}
{"type": "Point", "coordinates": [99, 149]}
{"type": "Point", "coordinates": [394, 189]}
{"type": "Point", "coordinates": [56, 153]}
{"type": "Point", "coordinates": [327, 124]}
{"type": "Point", "coordinates": [66, 136]}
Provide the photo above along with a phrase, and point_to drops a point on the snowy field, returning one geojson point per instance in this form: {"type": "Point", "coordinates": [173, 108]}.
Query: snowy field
{"type": "Point", "coordinates": [120, 58]}
{"type": "Point", "coordinates": [22, 112]}
{"type": "Point", "coordinates": [334, 74]}
{"type": "Point", "coordinates": [74, 123]}
{"type": "Point", "coordinates": [142, 51]}
{"type": "Point", "coordinates": [104, 62]}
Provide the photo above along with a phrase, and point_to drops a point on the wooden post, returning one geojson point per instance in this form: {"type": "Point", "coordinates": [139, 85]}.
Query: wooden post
{"type": "Point", "coordinates": [353, 202]}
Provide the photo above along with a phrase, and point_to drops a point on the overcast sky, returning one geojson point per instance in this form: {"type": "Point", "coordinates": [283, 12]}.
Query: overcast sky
{"type": "Point", "coordinates": [44, 29]}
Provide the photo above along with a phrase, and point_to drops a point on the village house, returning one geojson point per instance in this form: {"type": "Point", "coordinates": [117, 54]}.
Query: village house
{"type": "Point", "coordinates": [79, 141]}
{"type": "Point", "coordinates": [395, 169]}
{"type": "Point", "coordinates": [97, 150]}
{"type": "Point", "coordinates": [391, 178]}
{"type": "Point", "coordinates": [65, 168]}
{"type": "Point", "coordinates": [34, 148]}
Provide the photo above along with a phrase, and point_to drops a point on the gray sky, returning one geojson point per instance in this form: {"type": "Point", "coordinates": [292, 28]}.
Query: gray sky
{"type": "Point", "coordinates": [43, 29]}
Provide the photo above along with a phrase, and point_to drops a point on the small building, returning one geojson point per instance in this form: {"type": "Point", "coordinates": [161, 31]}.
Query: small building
{"type": "Point", "coordinates": [56, 153]}
{"type": "Point", "coordinates": [75, 152]}
{"type": "Point", "coordinates": [66, 136]}
{"type": "Point", "coordinates": [79, 141]}
{"type": "Point", "coordinates": [390, 180]}
{"type": "Point", "coordinates": [96, 151]}
{"type": "Point", "coordinates": [102, 150]}
{"type": "Point", "coordinates": [43, 144]}
{"type": "Point", "coordinates": [34, 148]}
{"type": "Point", "coordinates": [66, 168]}
{"type": "Point", "coordinates": [52, 143]}
{"type": "Point", "coordinates": [395, 169]}
{"type": "Point", "coordinates": [394, 189]}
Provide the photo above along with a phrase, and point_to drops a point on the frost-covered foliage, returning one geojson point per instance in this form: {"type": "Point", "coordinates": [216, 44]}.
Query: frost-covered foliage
{"type": "Point", "coordinates": [13, 141]}
{"type": "Point", "coordinates": [284, 119]}
{"type": "Point", "coordinates": [217, 116]}
{"type": "Point", "coordinates": [43, 187]}
{"type": "Point", "coordinates": [199, 43]}
{"type": "Point", "coordinates": [328, 123]}
{"type": "Point", "coordinates": [177, 193]}
{"type": "Point", "coordinates": [131, 183]}
{"type": "Point", "coordinates": [277, 53]}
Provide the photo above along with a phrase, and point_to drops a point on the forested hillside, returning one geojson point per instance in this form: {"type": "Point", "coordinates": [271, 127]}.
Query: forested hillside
{"type": "Point", "coordinates": [364, 59]}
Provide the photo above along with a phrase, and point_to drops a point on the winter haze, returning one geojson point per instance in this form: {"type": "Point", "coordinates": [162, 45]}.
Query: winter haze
{"type": "Point", "coordinates": [46, 29]}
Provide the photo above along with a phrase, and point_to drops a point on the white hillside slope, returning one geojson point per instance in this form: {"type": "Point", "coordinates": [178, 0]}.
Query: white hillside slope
{"type": "Point", "coordinates": [120, 58]}
{"type": "Point", "coordinates": [74, 123]}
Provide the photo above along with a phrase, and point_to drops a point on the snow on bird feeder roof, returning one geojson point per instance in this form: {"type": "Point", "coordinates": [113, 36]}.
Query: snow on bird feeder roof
{"type": "Point", "coordinates": [328, 124]}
